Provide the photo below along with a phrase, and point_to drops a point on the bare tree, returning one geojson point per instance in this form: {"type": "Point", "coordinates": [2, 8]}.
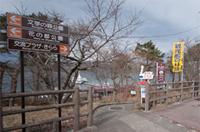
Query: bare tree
{"type": "Point", "coordinates": [169, 67]}
{"type": "Point", "coordinates": [191, 60]}
{"type": "Point", "coordinates": [104, 25]}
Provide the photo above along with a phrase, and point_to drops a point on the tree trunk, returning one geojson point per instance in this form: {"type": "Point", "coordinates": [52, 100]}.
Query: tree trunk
{"type": "Point", "coordinates": [64, 100]}
{"type": "Point", "coordinates": [173, 78]}
{"type": "Point", "coordinates": [36, 83]}
{"type": "Point", "coordinates": [14, 84]}
{"type": "Point", "coordinates": [2, 70]}
{"type": "Point", "coordinates": [114, 96]}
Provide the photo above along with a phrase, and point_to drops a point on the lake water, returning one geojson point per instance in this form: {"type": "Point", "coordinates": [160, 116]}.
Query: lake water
{"type": "Point", "coordinates": [89, 75]}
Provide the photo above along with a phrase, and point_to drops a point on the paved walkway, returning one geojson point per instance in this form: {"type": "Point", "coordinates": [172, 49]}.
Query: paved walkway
{"type": "Point", "coordinates": [122, 118]}
{"type": "Point", "coordinates": [185, 113]}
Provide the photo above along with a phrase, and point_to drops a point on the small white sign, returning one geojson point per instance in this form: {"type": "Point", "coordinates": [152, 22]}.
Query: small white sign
{"type": "Point", "coordinates": [133, 92]}
{"type": "Point", "coordinates": [142, 92]}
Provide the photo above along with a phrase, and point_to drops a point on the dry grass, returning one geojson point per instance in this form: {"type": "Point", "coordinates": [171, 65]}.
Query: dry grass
{"type": "Point", "coordinates": [37, 116]}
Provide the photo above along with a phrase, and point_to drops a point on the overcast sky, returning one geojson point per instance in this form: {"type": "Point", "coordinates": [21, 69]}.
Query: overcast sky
{"type": "Point", "coordinates": [163, 18]}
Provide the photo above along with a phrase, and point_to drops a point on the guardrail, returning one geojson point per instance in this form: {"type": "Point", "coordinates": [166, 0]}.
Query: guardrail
{"type": "Point", "coordinates": [76, 109]}
{"type": "Point", "coordinates": [170, 93]}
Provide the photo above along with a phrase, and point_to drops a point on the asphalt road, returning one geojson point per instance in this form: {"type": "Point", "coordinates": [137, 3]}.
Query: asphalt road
{"type": "Point", "coordinates": [122, 118]}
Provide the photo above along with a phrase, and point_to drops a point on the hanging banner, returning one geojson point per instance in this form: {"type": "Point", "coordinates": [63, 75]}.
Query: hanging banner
{"type": "Point", "coordinates": [177, 57]}
{"type": "Point", "coordinates": [160, 72]}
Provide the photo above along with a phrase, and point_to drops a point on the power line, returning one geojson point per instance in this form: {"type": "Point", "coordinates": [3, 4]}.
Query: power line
{"type": "Point", "coordinates": [156, 36]}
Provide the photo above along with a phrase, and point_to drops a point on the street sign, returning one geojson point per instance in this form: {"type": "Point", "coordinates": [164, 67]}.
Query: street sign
{"type": "Point", "coordinates": [16, 32]}
{"type": "Point", "coordinates": [160, 72]}
{"type": "Point", "coordinates": [34, 46]}
{"type": "Point", "coordinates": [177, 57]}
{"type": "Point", "coordinates": [17, 20]}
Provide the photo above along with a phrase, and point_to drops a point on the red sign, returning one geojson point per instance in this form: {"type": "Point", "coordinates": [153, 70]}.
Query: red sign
{"type": "Point", "coordinates": [160, 72]}
{"type": "Point", "coordinates": [14, 20]}
{"type": "Point", "coordinates": [14, 32]}
{"type": "Point", "coordinates": [64, 50]}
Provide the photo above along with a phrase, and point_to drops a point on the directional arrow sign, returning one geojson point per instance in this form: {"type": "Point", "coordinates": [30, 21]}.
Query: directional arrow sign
{"type": "Point", "coordinates": [14, 19]}
{"type": "Point", "coordinates": [17, 20]}
{"type": "Point", "coordinates": [29, 34]}
{"type": "Point", "coordinates": [34, 46]}
{"type": "Point", "coordinates": [64, 49]}
{"type": "Point", "coordinates": [15, 32]}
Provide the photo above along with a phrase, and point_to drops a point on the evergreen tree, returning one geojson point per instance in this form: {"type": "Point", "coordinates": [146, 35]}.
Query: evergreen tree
{"type": "Point", "coordinates": [150, 53]}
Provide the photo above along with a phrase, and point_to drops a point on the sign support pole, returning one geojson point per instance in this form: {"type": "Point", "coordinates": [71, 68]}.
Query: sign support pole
{"type": "Point", "coordinates": [22, 87]}
{"type": "Point", "coordinates": [59, 95]}
{"type": "Point", "coordinates": [183, 64]}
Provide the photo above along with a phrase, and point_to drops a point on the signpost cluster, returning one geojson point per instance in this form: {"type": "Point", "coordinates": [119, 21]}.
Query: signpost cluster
{"type": "Point", "coordinates": [32, 35]}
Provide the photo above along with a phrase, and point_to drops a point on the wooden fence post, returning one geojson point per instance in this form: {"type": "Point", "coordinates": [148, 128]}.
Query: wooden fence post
{"type": "Point", "coordinates": [147, 96]}
{"type": "Point", "coordinates": [76, 100]}
{"type": "Point", "coordinates": [193, 88]}
{"type": "Point", "coordinates": [167, 93]}
{"type": "Point", "coordinates": [1, 121]}
{"type": "Point", "coordinates": [55, 126]}
{"type": "Point", "coordinates": [181, 99]}
{"type": "Point", "coordinates": [198, 93]}
{"type": "Point", "coordinates": [90, 107]}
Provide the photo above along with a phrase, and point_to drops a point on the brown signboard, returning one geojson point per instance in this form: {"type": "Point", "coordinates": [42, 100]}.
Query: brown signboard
{"type": "Point", "coordinates": [17, 20]}
{"type": "Point", "coordinates": [160, 72]}
{"type": "Point", "coordinates": [33, 46]}
{"type": "Point", "coordinates": [15, 32]}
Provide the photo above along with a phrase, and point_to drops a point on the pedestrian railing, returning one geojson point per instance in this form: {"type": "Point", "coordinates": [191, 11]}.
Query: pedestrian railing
{"type": "Point", "coordinates": [75, 103]}
{"type": "Point", "coordinates": [168, 93]}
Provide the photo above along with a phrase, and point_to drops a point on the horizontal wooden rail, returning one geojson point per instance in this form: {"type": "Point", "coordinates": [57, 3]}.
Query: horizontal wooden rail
{"type": "Point", "coordinates": [174, 96]}
{"type": "Point", "coordinates": [188, 81]}
{"type": "Point", "coordinates": [84, 114]}
{"type": "Point", "coordinates": [157, 99]}
{"type": "Point", "coordinates": [174, 89]}
{"type": "Point", "coordinates": [14, 95]}
{"type": "Point", "coordinates": [84, 102]}
{"type": "Point", "coordinates": [187, 93]}
{"type": "Point", "coordinates": [175, 83]}
{"type": "Point", "coordinates": [37, 123]}
{"type": "Point", "coordinates": [190, 91]}
{"type": "Point", "coordinates": [158, 84]}
{"type": "Point", "coordinates": [83, 90]}
{"type": "Point", "coordinates": [187, 87]}
{"type": "Point", "coordinates": [77, 101]}
{"type": "Point", "coordinates": [10, 112]}
{"type": "Point", "coordinates": [158, 91]}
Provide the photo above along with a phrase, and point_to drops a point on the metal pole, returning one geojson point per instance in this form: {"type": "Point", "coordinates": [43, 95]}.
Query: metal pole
{"type": "Point", "coordinates": [126, 85]}
{"type": "Point", "coordinates": [22, 87]}
{"type": "Point", "coordinates": [1, 117]}
{"type": "Point", "coordinates": [59, 95]}
{"type": "Point", "coordinates": [182, 63]}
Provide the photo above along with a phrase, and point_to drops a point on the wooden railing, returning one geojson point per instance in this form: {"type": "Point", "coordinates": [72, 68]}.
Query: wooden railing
{"type": "Point", "coordinates": [76, 108]}
{"type": "Point", "coordinates": [169, 93]}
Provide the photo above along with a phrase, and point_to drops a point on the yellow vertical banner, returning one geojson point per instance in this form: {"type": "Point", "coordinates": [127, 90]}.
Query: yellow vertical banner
{"type": "Point", "coordinates": [177, 57]}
